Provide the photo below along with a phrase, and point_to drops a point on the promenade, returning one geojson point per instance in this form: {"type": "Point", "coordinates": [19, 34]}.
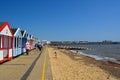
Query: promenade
{"type": "Point", "coordinates": [35, 66]}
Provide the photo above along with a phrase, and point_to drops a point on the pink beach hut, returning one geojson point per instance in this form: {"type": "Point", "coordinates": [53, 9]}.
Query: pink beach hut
{"type": "Point", "coordinates": [6, 37]}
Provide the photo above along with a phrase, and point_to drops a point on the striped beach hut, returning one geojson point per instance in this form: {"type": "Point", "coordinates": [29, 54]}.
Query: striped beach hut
{"type": "Point", "coordinates": [6, 37]}
{"type": "Point", "coordinates": [17, 42]}
{"type": "Point", "coordinates": [24, 40]}
{"type": "Point", "coordinates": [31, 41]}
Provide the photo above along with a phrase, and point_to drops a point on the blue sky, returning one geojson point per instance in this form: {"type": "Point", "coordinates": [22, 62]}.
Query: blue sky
{"type": "Point", "coordinates": [90, 20]}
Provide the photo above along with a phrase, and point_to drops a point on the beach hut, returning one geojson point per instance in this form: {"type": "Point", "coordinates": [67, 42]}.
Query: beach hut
{"type": "Point", "coordinates": [24, 40]}
{"type": "Point", "coordinates": [35, 41]}
{"type": "Point", "coordinates": [6, 37]}
{"type": "Point", "coordinates": [31, 41]}
{"type": "Point", "coordinates": [17, 42]}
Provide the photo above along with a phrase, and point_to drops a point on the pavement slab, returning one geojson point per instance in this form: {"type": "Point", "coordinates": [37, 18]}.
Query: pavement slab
{"type": "Point", "coordinates": [27, 67]}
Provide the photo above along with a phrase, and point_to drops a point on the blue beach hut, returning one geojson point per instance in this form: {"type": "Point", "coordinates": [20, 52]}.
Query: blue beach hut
{"type": "Point", "coordinates": [24, 40]}
{"type": "Point", "coordinates": [17, 42]}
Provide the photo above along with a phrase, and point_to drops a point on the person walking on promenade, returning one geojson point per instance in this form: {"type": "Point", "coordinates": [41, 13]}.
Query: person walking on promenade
{"type": "Point", "coordinates": [27, 48]}
{"type": "Point", "coordinates": [39, 46]}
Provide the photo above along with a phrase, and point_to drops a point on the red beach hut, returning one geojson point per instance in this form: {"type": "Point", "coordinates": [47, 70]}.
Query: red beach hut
{"type": "Point", "coordinates": [6, 37]}
{"type": "Point", "coordinates": [31, 41]}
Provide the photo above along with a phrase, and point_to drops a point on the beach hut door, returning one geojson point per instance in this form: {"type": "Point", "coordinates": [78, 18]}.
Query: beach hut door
{"type": "Point", "coordinates": [5, 52]}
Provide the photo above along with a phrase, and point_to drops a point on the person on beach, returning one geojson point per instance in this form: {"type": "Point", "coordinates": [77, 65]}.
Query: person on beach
{"type": "Point", "coordinates": [27, 48]}
{"type": "Point", "coordinates": [55, 54]}
{"type": "Point", "coordinates": [77, 51]}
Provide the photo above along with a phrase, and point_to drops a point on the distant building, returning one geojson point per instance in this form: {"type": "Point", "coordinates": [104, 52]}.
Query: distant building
{"type": "Point", "coordinates": [107, 41]}
{"type": "Point", "coordinates": [45, 42]}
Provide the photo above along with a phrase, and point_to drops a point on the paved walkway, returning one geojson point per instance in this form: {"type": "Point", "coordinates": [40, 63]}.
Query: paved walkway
{"type": "Point", "coordinates": [35, 66]}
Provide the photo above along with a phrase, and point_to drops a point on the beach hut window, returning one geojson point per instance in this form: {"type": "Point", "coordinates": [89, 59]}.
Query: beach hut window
{"type": "Point", "coordinates": [19, 42]}
{"type": "Point", "coordinates": [15, 42]}
{"type": "Point", "coordinates": [5, 41]}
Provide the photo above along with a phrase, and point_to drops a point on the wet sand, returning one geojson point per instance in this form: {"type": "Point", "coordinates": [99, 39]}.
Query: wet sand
{"type": "Point", "coordinates": [71, 66]}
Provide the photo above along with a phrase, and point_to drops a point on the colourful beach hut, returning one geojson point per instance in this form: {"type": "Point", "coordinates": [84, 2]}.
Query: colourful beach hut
{"type": "Point", "coordinates": [6, 37]}
{"type": "Point", "coordinates": [31, 41]}
{"type": "Point", "coordinates": [35, 41]}
{"type": "Point", "coordinates": [17, 42]}
{"type": "Point", "coordinates": [24, 40]}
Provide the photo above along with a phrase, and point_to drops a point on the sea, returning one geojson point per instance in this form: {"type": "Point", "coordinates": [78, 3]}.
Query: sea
{"type": "Point", "coordinates": [106, 52]}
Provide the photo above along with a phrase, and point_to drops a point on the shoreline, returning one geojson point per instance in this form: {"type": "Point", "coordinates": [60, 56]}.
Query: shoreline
{"type": "Point", "coordinates": [113, 60]}
{"type": "Point", "coordinates": [80, 67]}
{"type": "Point", "coordinates": [111, 67]}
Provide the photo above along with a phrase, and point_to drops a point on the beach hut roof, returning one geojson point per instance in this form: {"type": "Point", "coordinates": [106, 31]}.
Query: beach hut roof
{"type": "Point", "coordinates": [5, 29]}
{"type": "Point", "coordinates": [17, 32]}
{"type": "Point", "coordinates": [31, 36]}
{"type": "Point", "coordinates": [14, 30]}
{"type": "Point", "coordinates": [23, 32]}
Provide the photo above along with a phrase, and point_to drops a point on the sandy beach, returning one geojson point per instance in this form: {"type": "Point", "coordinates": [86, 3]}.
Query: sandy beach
{"type": "Point", "coordinates": [71, 66]}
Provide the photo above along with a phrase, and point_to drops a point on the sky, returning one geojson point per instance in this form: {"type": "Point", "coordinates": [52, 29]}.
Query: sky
{"type": "Point", "coordinates": [62, 20]}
